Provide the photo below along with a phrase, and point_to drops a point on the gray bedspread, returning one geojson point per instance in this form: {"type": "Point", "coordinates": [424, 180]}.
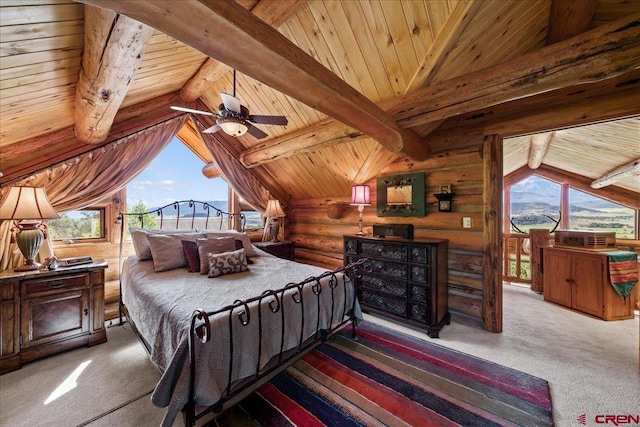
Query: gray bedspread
{"type": "Point", "coordinates": [161, 305]}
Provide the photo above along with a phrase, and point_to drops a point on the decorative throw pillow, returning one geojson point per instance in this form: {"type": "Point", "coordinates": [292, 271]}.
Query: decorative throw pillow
{"type": "Point", "coordinates": [167, 252]}
{"type": "Point", "coordinates": [227, 263]}
{"type": "Point", "coordinates": [190, 250]}
{"type": "Point", "coordinates": [213, 245]}
{"type": "Point", "coordinates": [246, 241]}
{"type": "Point", "coordinates": [240, 245]}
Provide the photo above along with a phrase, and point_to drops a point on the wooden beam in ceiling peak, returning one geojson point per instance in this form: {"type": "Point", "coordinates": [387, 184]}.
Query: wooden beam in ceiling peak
{"type": "Point", "coordinates": [273, 13]}
{"type": "Point", "coordinates": [261, 52]}
{"type": "Point", "coordinates": [538, 146]}
{"type": "Point", "coordinates": [603, 53]}
{"type": "Point", "coordinates": [463, 13]}
{"type": "Point", "coordinates": [113, 48]}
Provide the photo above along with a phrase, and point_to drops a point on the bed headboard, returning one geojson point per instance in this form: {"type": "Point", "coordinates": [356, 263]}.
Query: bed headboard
{"type": "Point", "coordinates": [183, 214]}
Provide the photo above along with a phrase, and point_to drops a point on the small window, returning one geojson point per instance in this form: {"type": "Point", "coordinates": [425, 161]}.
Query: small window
{"type": "Point", "coordinates": [252, 220]}
{"type": "Point", "coordinates": [75, 225]}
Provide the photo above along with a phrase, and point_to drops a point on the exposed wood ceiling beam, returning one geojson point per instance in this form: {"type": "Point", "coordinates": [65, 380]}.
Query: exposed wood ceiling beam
{"type": "Point", "coordinates": [273, 13]}
{"type": "Point", "coordinates": [569, 18]}
{"type": "Point", "coordinates": [592, 103]}
{"type": "Point", "coordinates": [63, 145]}
{"type": "Point", "coordinates": [463, 13]}
{"type": "Point", "coordinates": [241, 40]}
{"type": "Point", "coordinates": [603, 53]}
{"type": "Point", "coordinates": [113, 49]}
{"type": "Point", "coordinates": [618, 174]}
{"type": "Point", "coordinates": [538, 146]}
{"type": "Point", "coordinates": [513, 81]}
{"type": "Point", "coordinates": [328, 132]}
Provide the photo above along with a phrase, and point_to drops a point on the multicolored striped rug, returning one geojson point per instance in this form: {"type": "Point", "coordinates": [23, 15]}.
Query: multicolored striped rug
{"type": "Point", "coordinates": [388, 378]}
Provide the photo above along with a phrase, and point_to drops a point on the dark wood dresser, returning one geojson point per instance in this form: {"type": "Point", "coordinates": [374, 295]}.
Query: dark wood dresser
{"type": "Point", "coordinates": [408, 281]}
{"type": "Point", "coordinates": [47, 312]}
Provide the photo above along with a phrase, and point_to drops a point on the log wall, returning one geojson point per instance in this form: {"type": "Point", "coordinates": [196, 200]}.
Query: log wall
{"type": "Point", "coordinates": [319, 238]}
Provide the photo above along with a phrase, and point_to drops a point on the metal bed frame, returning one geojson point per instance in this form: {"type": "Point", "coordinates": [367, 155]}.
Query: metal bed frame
{"type": "Point", "coordinates": [269, 302]}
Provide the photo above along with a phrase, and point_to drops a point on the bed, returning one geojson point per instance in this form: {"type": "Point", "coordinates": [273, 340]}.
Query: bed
{"type": "Point", "coordinates": [215, 339]}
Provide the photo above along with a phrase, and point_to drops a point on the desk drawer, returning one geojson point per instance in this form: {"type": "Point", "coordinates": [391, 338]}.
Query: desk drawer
{"type": "Point", "coordinates": [37, 286]}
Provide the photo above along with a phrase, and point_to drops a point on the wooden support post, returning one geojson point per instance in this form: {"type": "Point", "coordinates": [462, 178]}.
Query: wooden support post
{"type": "Point", "coordinates": [492, 159]}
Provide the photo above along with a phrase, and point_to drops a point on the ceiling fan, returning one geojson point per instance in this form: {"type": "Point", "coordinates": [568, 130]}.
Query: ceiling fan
{"type": "Point", "coordinates": [234, 119]}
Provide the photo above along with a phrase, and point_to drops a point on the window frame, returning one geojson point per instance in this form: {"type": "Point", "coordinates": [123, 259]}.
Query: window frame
{"type": "Point", "coordinates": [103, 227]}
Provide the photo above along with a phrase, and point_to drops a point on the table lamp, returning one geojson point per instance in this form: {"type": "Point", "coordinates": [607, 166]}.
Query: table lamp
{"type": "Point", "coordinates": [27, 207]}
{"type": "Point", "coordinates": [360, 196]}
{"type": "Point", "coordinates": [273, 212]}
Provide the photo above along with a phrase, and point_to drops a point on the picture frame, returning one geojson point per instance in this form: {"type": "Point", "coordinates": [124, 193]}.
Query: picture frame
{"type": "Point", "coordinates": [401, 195]}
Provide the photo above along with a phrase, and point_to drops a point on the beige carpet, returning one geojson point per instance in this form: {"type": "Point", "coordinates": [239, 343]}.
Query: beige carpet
{"type": "Point", "coordinates": [72, 388]}
{"type": "Point", "coordinates": [591, 365]}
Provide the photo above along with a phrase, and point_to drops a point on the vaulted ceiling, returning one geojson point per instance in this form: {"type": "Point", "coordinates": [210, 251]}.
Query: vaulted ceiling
{"type": "Point", "coordinates": [362, 83]}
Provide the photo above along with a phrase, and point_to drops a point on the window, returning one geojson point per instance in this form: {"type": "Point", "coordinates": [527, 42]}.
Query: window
{"type": "Point", "coordinates": [82, 224]}
{"type": "Point", "coordinates": [587, 212]}
{"type": "Point", "coordinates": [535, 203]}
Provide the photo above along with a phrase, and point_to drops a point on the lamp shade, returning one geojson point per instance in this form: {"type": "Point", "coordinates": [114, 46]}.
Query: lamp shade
{"type": "Point", "coordinates": [360, 195]}
{"type": "Point", "coordinates": [29, 203]}
{"type": "Point", "coordinates": [274, 209]}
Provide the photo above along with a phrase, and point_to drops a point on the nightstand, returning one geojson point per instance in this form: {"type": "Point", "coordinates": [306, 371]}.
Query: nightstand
{"type": "Point", "coordinates": [284, 250]}
{"type": "Point", "coordinates": [46, 312]}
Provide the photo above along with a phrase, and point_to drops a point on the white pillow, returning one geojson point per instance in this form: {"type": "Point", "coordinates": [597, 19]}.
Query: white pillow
{"type": "Point", "coordinates": [246, 241]}
{"type": "Point", "coordinates": [167, 251]}
{"type": "Point", "coordinates": [141, 243]}
{"type": "Point", "coordinates": [214, 245]}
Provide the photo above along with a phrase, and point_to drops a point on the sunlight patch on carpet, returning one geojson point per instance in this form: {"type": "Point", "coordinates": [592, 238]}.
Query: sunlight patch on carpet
{"type": "Point", "coordinates": [68, 384]}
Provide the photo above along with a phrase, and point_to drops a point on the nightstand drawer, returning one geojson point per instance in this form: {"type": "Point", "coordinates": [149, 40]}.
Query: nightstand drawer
{"type": "Point", "coordinates": [36, 286]}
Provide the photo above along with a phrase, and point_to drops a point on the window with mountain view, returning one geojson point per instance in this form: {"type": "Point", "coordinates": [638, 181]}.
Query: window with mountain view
{"type": "Point", "coordinates": [535, 203]}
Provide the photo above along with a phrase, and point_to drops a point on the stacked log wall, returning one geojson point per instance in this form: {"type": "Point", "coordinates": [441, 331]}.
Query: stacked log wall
{"type": "Point", "coordinates": [319, 239]}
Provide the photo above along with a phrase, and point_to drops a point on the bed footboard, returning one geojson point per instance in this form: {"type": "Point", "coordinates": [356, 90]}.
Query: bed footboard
{"type": "Point", "coordinates": [341, 312]}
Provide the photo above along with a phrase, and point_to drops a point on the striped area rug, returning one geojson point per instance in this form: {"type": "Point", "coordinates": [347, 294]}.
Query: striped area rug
{"type": "Point", "coordinates": [388, 378]}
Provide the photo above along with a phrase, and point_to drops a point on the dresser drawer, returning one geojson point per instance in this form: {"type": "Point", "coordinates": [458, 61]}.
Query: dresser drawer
{"type": "Point", "coordinates": [390, 251]}
{"type": "Point", "coordinates": [385, 285]}
{"type": "Point", "coordinates": [38, 286]}
{"type": "Point", "coordinates": [375, 301]}
{"type": "Point", "coordinates": [390, 269]}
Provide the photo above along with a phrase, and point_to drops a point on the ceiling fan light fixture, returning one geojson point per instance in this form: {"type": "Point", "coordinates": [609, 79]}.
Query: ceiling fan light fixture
{"type": "Point", "coordinates": [232, 126]}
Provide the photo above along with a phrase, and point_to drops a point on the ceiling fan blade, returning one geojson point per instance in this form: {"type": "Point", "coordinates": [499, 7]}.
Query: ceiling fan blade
{"type": "Point", "coordinates": [213, 129]}
{"type": "Point", "coordinates": [189, 110]}
{"type": "Point", "coordinates": [269, 120]}
{"type": "Point", "coordinates": [257, 133]}
{"type": "Point", "coordinates": [231, 103]}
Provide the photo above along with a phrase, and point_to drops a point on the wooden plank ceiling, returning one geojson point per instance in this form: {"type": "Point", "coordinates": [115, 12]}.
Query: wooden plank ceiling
{"type": "Point", "coordinates": [394, 56]}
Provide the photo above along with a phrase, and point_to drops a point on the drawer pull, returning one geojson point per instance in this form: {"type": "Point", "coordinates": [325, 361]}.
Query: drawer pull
{"type": "Point", "coordinates": [57, 284]}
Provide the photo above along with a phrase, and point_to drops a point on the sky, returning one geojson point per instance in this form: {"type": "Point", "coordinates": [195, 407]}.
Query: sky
{"type": "Point", "coordinates": [176, 174]}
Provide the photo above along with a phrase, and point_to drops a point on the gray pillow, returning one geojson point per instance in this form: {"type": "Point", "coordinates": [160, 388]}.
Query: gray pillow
{"type": "Point", "coordinates": [214, 245]}
{"type": "Point", "coordinates": [167, 251]}
{"type": "Point", "coordinates": [141, 243]}
{"type": "Point", "coordinates": [246, 242]}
